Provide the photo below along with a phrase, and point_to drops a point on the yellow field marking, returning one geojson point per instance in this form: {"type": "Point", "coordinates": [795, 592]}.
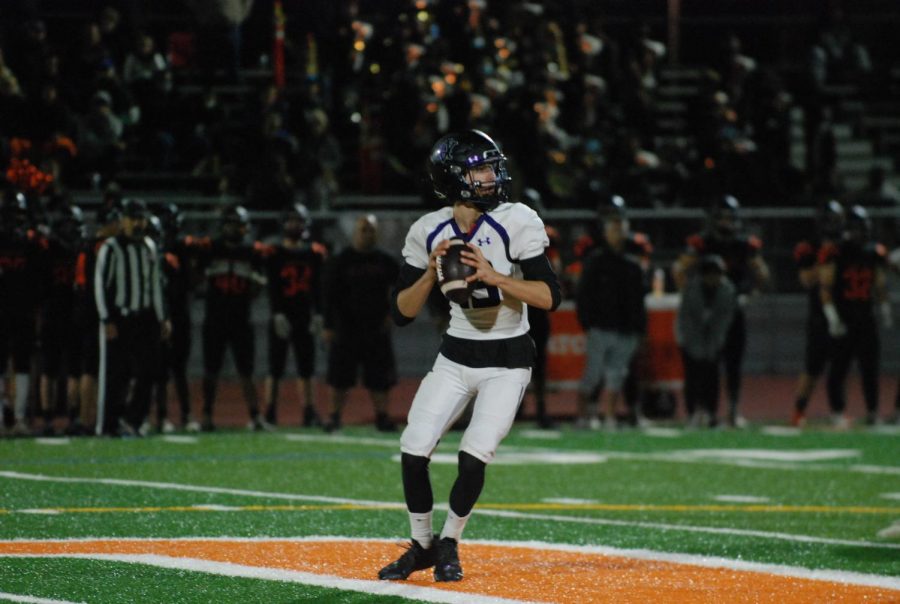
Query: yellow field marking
{"type": "Point", "coordinates": [524, 507]}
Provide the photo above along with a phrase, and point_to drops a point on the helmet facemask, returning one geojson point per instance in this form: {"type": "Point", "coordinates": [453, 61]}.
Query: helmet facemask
{"type": "Point", "coordinates": [452, 160]}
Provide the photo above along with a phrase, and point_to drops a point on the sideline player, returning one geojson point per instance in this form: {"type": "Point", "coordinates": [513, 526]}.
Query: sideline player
{"type": "Point", "coordinates": [818, 342]}
{"type": "Point", "coordinates": [486, 351]}
{"type": "Point", "coordinates": [852, 285]}
{"type": "Point", "coordinates": [746, 270]}
{"type": "Point", "coordinates": [294, 276]}
{"type": "Point", "coordinates": [234, 272]}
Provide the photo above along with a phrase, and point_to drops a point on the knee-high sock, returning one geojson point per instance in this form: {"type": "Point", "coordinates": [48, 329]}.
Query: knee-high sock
{"type": "Point", "coordinates": [23, 381]}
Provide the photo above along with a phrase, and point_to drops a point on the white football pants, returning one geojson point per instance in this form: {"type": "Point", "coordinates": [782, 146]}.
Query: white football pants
{"type": "Point", "coordinates": [442, 397]}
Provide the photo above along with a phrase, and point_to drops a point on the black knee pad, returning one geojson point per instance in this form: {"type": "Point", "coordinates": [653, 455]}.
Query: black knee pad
{"type": "Point", "coordinates": [471, 467]}
{"type": "Point", "coordinates": [413, 464]}
{"type": "Point", "coordinates": [416, 483]}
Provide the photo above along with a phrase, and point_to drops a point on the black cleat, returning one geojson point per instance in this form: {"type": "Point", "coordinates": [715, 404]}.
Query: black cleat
{"type": "Point", "coordinates": [384, 424]}
{"type": "Point", "coordinates": [413, 559]}
{"type": "Point", "coordinates": [311, 418]}
{"type": "Point", "coordinates": [446, 566]}
{"type": "Point", "coordinates": [334, 425]}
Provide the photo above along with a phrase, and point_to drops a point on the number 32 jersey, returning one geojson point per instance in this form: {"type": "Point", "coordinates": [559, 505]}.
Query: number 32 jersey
{"type": "Point", "coordinates": [507, 235]}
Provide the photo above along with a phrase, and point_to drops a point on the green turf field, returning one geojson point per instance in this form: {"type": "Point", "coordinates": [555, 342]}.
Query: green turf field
{"type": "Point", "coordinates": [814, 500]}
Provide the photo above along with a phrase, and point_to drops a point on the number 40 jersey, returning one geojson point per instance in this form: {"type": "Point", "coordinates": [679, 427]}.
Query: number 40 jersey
{"type": "Point", "coordinates": [506, 235]}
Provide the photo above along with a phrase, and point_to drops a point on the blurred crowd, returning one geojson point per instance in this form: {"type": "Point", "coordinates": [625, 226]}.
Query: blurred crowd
{"type": "Point", "coordinates": [582, 108]}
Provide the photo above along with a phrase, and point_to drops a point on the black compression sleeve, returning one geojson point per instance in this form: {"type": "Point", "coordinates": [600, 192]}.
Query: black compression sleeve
{"type": "Point", "coordinates": [408, 275]}
{"type": "Point", "coordinates": [539, 269]}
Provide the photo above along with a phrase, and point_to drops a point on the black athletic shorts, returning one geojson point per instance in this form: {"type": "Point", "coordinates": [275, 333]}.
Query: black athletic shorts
{"type": "Point", "coordinates": [236, 335]}
{"type": "Point", "coordinates": [304, 347]}
{"type": "Point", "coordinates": [374, 353]}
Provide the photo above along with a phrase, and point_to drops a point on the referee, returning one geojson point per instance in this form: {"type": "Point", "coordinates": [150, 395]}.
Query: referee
{"type": "Point", "coordinates": [129, 293]}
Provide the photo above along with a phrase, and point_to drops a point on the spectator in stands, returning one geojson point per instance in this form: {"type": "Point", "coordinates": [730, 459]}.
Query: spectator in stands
{"type": "Point", "coordinates": [220, 37]}
{"type": "Point", "coordinates": [82, 63]}
{"type": "Point", "coordinates": [358, 322]}
{"type": "Point", "coordinates": [102, 141]}
{"type": "Point", "coordinates": [113, 34]}
{"type": "Point", "coordinates": [708, 303]}
{"type": "Point", "coordinates": [8, 80]}
{"type": "Point", "coordinates": [321, 158]}
{"type": "Point", "coordinates": [27, 52]}
{"type": "Point", "coordinates": [143, 66]}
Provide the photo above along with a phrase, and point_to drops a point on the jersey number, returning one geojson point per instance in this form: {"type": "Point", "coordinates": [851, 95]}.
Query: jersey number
{"type": "Point", "coordinates": [230, 284]}
{"type": "Point", "coordinates": [492, 298]}
{"type": "Point", "coordinates": [857, 284]}
{"type": "Point", "coordinates": [296, 279]}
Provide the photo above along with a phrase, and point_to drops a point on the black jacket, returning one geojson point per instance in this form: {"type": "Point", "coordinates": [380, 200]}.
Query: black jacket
{"type": "Point", "coordinates": [611, 292]}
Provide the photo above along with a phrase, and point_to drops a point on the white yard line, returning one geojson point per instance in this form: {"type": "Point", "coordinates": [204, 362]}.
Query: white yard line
{"type": "Point", "coordinates": [172, 486]}
{"type": "Point", "coordinates": [7, 597]}
{"type": "Point", "coordinates": [752, 458]}
{"type": "Point", "coordinates": [689, 528]}
{"type": "Point", "coordinates": [484, 512]}
{"type": "Point", "coordinates": [781, 431]}
{"type": "Point", "coordinates": [741, 499]}
{"type": "Point", "coordinates": [179, 439]}
{"type": "Point", "coordinates": [225, 569]}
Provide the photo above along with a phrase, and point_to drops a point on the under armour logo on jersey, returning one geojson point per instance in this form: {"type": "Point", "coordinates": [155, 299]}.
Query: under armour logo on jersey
{"type": "Point", "coordinates": [483, 242]}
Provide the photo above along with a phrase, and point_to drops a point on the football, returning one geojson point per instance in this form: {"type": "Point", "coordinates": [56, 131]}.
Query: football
{"type": "Point", "coordinates": [452, 273]}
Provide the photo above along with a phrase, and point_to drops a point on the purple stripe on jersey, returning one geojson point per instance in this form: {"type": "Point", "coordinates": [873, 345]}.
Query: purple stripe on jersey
{"type": "Point", "coordinates": [503, 235]}
{"type": "Point", "coordinates": [430, 239]}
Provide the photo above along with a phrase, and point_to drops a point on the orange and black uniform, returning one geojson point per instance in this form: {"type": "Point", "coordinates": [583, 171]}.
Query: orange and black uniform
{"type": "Point", "coordinates": [176, 349]}
{"type": "Point", "coordinates": [23, 285]}
{"type": "Point", "coordinates": [294, 280]}
{"type": "Point", "coordinates": [234, 275]}
{"type": "Point", "coordinates": [60, 336]}
{"type": "Point", "coordinates": [738, 252]}
{"type": "Point", "coordinates": [818, 342]}
{"type": "Point", "coordinates": [853, 293]}
{"type": "Point", "coordinates": [85, 317]}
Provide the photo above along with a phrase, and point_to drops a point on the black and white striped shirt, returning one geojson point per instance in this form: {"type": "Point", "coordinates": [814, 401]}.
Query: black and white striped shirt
{"type": "Point", "coordinates": [128, 279]}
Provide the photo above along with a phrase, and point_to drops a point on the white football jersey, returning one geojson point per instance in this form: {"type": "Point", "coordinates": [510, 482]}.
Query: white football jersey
{"type": "Point", "coordinates": [506, 235]}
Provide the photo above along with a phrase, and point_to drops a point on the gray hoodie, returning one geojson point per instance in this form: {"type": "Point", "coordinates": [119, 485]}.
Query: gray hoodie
{"type": "Point", "coordinates": [703, 323]}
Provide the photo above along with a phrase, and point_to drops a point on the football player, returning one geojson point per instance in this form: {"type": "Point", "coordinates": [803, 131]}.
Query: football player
{"type": "Point", "coordinates": [294, 274]}
{"type": "Point", "coordinates": [818, 342]}
{"type": "Point", "coordinates": [60, 338]}
{"type": "Point", "coordinates": [22, 283]}
{"type": "Point", "coordinates": [486, 351]}
{"type": "Point", "coordinates": [746, 270]}
{"type": "Point", "coordinates": [177, 276]}
{"type": "Point", "coordinates": [852, 286]}
{"type": "Point", "coordinates": [234, 271]}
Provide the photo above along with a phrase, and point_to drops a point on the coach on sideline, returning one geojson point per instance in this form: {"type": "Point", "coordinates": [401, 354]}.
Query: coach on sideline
{"type": "Point", "coordinates": [128, 289]}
